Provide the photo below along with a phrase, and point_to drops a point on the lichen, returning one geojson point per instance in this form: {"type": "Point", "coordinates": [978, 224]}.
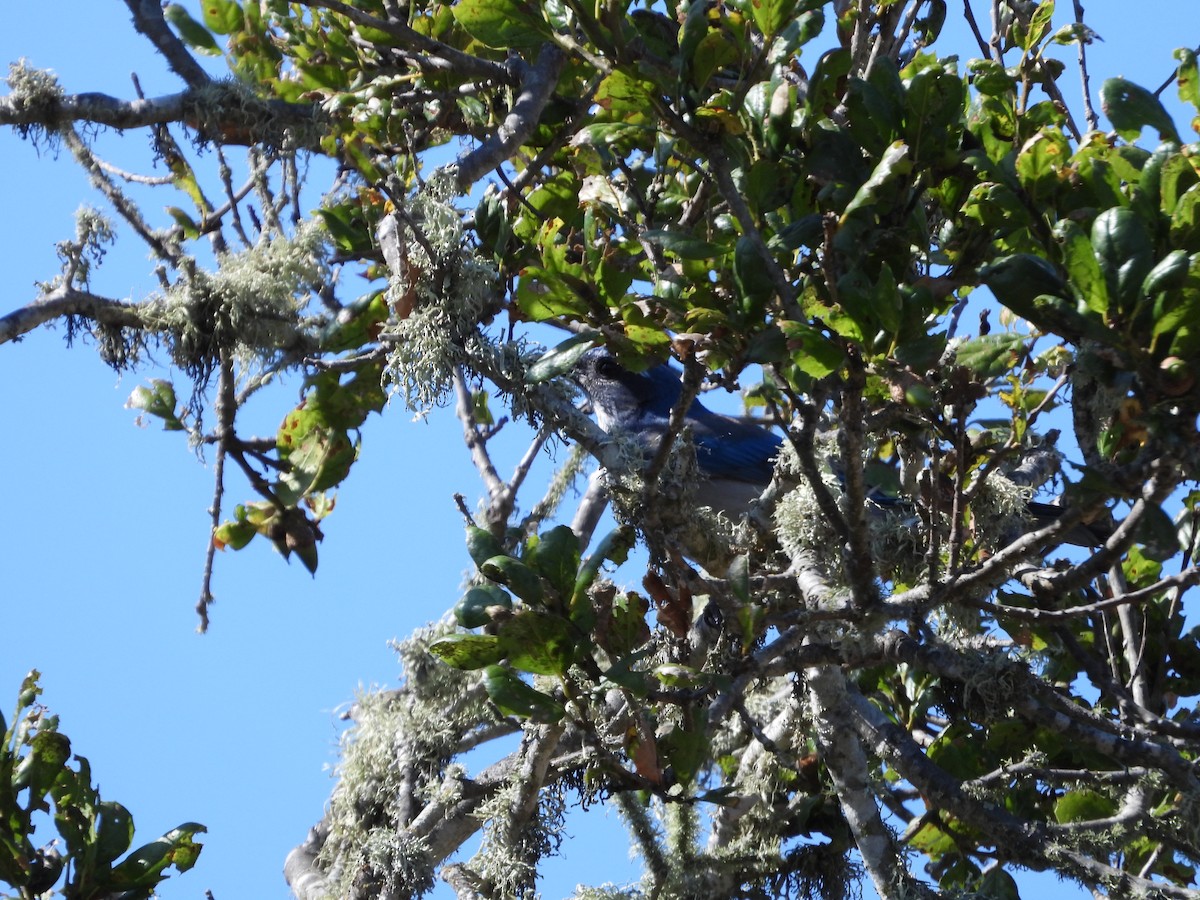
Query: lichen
{"type": "Point", "coordinates": [37, 94]}
{"type": "Point", "coordinates": [395, 759]}
{"type": "Point", "coordinates": [251, 305]}
{"type": "Point", "coordinates": [444, 292]}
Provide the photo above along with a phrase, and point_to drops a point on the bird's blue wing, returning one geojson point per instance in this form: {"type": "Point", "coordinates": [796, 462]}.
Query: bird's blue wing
{"type": "Point", "coordinates": [727, 448]}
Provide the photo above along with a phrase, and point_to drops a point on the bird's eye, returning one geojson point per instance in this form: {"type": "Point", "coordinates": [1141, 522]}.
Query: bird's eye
{"type": "Point", "coordinates": [607, 367]}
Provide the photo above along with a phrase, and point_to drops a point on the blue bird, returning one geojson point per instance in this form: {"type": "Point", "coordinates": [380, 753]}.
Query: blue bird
{"type": "Point", "coordinates": [737, 458]}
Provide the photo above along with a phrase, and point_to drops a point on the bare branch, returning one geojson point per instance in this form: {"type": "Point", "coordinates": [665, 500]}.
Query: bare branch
{"type": "Point", "coordinates": [536, 91]}
{"type": "Point", "coordinates": [148, 20]}
{"type": "Point", "coordinates": [67, 301]}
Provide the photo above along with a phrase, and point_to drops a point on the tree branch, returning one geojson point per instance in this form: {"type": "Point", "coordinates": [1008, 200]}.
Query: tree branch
{"type": "Point", "coordinates": [148, 20]}
{"type": "Point", "coordinates": [67, 301]}
{"type": "Point", "coordinates": [536, 91]}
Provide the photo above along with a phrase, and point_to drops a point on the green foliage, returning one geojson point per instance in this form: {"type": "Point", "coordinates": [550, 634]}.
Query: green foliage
{"type": "Point", "coordinates": [39, 785]}
{"type": "Point", "coordinates": [801, 199]}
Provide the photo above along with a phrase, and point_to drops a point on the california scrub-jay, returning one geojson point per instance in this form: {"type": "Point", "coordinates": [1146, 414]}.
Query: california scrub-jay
{"type": "Point", "coordinates": [736, 457]}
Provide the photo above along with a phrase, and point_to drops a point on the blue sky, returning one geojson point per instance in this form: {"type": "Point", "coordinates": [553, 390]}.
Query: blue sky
{"type": "Point", "coordinates": [104, 541]}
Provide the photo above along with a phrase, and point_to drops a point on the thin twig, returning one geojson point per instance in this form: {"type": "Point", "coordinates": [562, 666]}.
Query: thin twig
{"type": "Point", "coordinates": [1089, 112]}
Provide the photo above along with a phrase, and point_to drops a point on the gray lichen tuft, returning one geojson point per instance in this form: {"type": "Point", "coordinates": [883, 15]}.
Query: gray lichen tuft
{"type": "Point", "coordinates": [442, 294]}
{"type": "Point", "coordinates": [251, 305]}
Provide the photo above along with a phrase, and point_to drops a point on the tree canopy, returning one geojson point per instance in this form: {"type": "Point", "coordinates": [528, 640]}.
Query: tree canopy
{"type": "Point", "coordinates": [811, 203]}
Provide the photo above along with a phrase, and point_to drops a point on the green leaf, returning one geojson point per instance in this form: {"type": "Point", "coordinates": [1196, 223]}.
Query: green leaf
{"type": "Point", "coordinates": [991, 355]}
{"type": "Point", "coordinates": [997, 884]}
{"type": "Point", "coordinates": [468, 651]}
{"type": "Point", "coordinates": [1039, 25]}
{"type": "Point", "coordinates": [516, 576]}
{"type": "Point", "coordinates": [624, 629]}
{"type": "Point", "coordinates": [1082, 806]}
{"type": "Point", "coordinates": [811, 351]}
{"type": "Point", "coordinates": [1185, 220]}
{"type": "Point", "coordinates": [159, 401]}
{"type": "Point", "coordinates": [482, 545]}
{"type": "Point", "coordinates": [318, 457]}
{"type": "Point", "coordinates": [894, 166]}
{"type": "Point", "coordinates": [143, 868]}
{"type": "Point", "coordinates": [561, 359]}
{"type": "Point", "coordinates": [754, 284]}
{"type": "Point", "coordinates": [685, 246]}
{"type": "Point", "coordinates": [685, 749]}
{"type": "Point", "coordinates": [1186, 77]}
{"type": "Point", "coordinates": [192, 32]}
{"type": "Point", "coordinates": [538, 642]}
{"type": "Point", "coordinates": [235, 535]}
{"type": "Point", "coordinates": [1131, 107]}
{"type": "Point", "coordinates": [547, 294]}
{"type": "Point", "coordinates": [502, 24]}
{"type": "Point", "coordinates": [772, 15]}
{"type": "Point", "coordinates": [626, 98]}
{"type": "Point", "coordinates": [114, 831]}
{"type": "Point", "coordinates": [1170, 273]}
{"type": "Point", "coordinates": [356, 323]}
{"type": "Point", "coordinates": [1125, 253]}
{"type": "Point", "coordinates": [1157, 534]}
{"type": "Point", "coordinates": [190, 229]}
{"type": "Point", "coordinates": [1083, 268]}
{"type": "Point", "coordinates": [1041, 163]}
{"type": "Point", "coordinates": [514, 697]}
{"type": "Point", "coordinates": [555, 556]}
{"type": "Point", "coordinates": [480, 605]}
{"type": "Point", "coordinates": [222, 16]}
{"type": "Point", "coordinates": [48, 754]}
{"type": "Point", "coordinates": [614, 547]}
{"type": "Point", "coordinates": [990, 78]}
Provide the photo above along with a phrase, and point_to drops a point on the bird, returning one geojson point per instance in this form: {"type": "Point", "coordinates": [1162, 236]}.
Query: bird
{"type": "Point", "coordinates": [736, 458]}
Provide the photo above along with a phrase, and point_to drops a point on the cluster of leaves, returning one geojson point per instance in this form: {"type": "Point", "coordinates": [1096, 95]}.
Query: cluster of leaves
{"type": "Point", "coordinates": [36, 773]}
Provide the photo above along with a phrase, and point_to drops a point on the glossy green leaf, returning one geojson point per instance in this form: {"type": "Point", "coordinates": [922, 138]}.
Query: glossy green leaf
{"type": "Point", "coordinates": [114, 831]}
{"type": "Point", "coordinates": [555, 556]}
{"type": "Point", "coordinates": [771, 15]}
{"type": "Point", "coordinates": [538, 642]}
{"type": "Point", "coordinates": [222, 16]}
{"type": "Point", "coordinates": [997, 884]}
{"type": "Point", "coordinates": [143, 868]}
{"type": "Point", "coordinates": [514, 697]}
{"type": "Point", "coordinates": [468, 651]}
{"type": "Point", "coordinates": [685, 246]}
{"type": "Point", "coordinates": [502, 23]}
{"type": "Point", "coordinates": [1131, 107]}
{"type": "Point", "coordinates": [1124, 252]}
{"type": "Point", "coordinates": [991, 355]}
{"type": "Point", "coordinates": [482, 545]}
{"type": "Point", "coordinates": [193, 33]}
{"type": "Point", "coordinates": [1082, 806]}
{"type": "Point", "coordinates": [1083, 268]}
{"type": "Point", "coordinates": [1185, 220]}
{"type": "Point", "coordinates": [561, 359]}
{"type": "Point", "coordinates": [894, 166]}
{"type": "Point", "coordinates": [516, 576]}
{"type": "Point", "coordinates": [480, 605]}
